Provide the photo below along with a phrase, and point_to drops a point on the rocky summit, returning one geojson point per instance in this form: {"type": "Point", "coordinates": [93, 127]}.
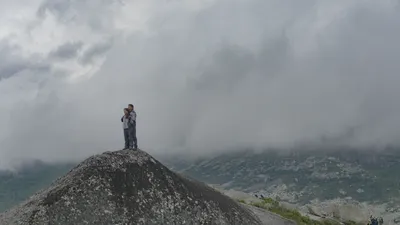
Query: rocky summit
{"type": "Point", "coordinates": [127, 187]}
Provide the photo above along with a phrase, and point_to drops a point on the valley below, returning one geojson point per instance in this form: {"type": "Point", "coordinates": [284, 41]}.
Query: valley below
{"type": "Point", "coordinates": [346, 184]}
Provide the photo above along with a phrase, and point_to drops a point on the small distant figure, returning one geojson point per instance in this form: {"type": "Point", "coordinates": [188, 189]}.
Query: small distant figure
{"type": "Point", "coordinates": [380, 221]}
{"type": "Point", "coordinates": [126, 124]}
{"type": "Point", "coordinates": [374, 221]}
{"type": "Point", "coordinates": [132, 130]}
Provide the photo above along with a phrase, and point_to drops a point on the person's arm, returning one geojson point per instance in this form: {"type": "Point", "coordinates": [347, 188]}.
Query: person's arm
{"type": "Point", "coordinates": [133, 115]}
{"type": "Point", "coordinates": [122, 119]}
{"type": "Point", "coordinates": [130, 120]}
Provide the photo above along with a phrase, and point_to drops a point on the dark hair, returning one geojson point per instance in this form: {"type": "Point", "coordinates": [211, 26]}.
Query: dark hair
{"type": "Point", "coordinates": [130, 105]}
{"type": "Point", "coordinates": [126, 109]}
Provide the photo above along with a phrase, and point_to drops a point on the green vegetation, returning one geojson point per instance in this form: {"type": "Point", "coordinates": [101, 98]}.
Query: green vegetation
{"type": "Point", "coordinates": [242, 201]}
{"type": "Point", "coordinates": [273, 206]}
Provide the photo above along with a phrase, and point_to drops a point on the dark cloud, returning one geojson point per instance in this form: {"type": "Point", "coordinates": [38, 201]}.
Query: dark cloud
{"type": "Point", "coordinates": [9, 66]}
{"type": "Point", "coordinates": [228, 66]}
{"type": "Point", "coordinates": [12, 64]}
{"type": "Point", "coordinates": [66, 51]}
{"type": "Point", "coordinates": [9, 70]}
{"type": "Point", "coordinates": [55, 6]}
{"type": "Point", "coordinates": [94, 51]}
{"type": "Point", "coordinates": [90, 12]}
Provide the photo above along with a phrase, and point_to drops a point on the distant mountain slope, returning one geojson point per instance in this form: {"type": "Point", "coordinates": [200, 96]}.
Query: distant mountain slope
{"type": "Point", "coordinates": [301, 176]}
{"type": "Point", "coordinates": [346, 182]}
{"type": "Point", "coordinates": [16, 187]}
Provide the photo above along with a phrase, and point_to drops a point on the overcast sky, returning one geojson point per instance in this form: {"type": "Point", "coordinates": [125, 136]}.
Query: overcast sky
{"type": "Point", "coordinates": [204, 75]}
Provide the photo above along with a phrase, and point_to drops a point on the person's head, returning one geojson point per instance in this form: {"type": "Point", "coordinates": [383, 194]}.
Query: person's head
{"type": "Point", "coordinates": [130, 107]}
{"type": "Point", "coordinates": [126, 111]}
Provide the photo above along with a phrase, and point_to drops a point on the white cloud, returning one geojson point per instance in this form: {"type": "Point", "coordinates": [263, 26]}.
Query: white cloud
{"type": "Point", "coordinates": [204, 75]}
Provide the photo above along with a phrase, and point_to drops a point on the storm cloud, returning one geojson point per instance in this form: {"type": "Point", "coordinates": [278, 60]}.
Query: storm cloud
{"type": "Point", "coordinates": [204, 76]}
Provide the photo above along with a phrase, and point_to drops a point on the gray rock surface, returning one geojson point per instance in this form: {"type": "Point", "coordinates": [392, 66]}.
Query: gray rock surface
{"type": "Point", "coordinates": [127, 187]}
{"type": "Point", "coordinates": [265, 216]}
{"type": "Point", "coordinates": [268, 217]}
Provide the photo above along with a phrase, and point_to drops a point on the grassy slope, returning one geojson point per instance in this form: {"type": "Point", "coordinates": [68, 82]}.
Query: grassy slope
{"type": "Point", "coordinates": [273, 206]}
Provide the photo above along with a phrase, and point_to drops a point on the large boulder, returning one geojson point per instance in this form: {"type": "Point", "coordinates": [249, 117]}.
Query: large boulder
{"type": "Point", "coordinates": [127, 187]}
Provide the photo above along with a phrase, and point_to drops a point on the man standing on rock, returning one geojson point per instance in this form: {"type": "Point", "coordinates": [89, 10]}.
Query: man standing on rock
{"type": "Point", "coordinates": [126, 124]}
{"type": "Point", "coordinates": [132, 128]}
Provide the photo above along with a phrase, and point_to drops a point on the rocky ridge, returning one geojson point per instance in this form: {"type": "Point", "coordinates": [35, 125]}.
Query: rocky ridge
{"type": "Point", "coordinates": [127, 187]}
